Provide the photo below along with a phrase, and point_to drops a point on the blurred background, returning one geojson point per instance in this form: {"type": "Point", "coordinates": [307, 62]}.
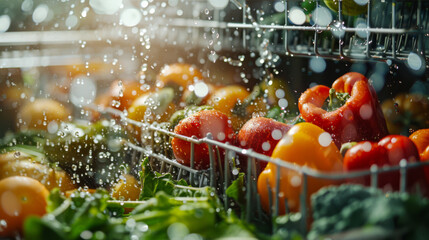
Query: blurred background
{"type": "Point", "coordinates": [46, 44]}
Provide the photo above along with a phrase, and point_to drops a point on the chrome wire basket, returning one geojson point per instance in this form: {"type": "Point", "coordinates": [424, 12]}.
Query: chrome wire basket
{"type": "Point", "coordinates": [219, 178]}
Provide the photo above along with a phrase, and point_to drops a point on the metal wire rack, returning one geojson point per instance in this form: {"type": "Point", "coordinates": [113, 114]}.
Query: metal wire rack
{"type": "Point", "coordinates": [221, 177]}
{"type": "Point", "coordinates": [389, 30]}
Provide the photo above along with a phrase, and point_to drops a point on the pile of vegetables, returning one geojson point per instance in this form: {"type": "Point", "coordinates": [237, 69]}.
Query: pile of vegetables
{"type": "Point", "coordinates": [169, 211]}
{"type": "Point", "coordinates": [332, 130]}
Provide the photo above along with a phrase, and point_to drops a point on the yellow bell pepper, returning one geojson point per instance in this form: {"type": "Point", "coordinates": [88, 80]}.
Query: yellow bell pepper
{"type": "Point", "coordinates": [305, 144]}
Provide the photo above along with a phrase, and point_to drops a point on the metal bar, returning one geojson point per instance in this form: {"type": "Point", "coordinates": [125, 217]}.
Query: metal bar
{"type": "Point", "coordinates": [163, 158]}
{"type": "Point", "coordinates": [315, 49]}
{"type": "Point", "coordinates": [270, 198]}
{"type": "Point", "coordinates": [340, 16]}
{"type": "Point", "coordinates": [41, 61]}
{"type": "Point", "coordinates": [162, 167]}
{"type": "Point", "coordinates": [277, 193]}
{"type": "Point", "coordinates": [219, 166]}
{"type": "Point", "coordinates": [191, 177]}
{"type": "Point", "coordinates": [393, 27]}
{"type": "Point", "coordinates": [374, 176]}
{"type": "Point", "coordinates": [249, 189]}
{"type": "Point", "coordinates": [319, 28]}
{"type": "Point", "coordinates": [419, 27]}
{"type": "Point", "coordinates": [226, 179]}
{"type": "Point", "coordinates": [244, 8]}
{"type": "Point", "coordinates": [258, 206]}
{"type": "Point", "coordinates": [286, 31]}
{"type": "Point", "coordinates": [303, 202]}
{"type": "Point", "coordinates": [368, 24]}
{"type": "Point", "coordinates": [403, 178]}
{"type": "Point", "coordinates": [57, 37]}
{"type": "Point", "coordinates": [200, 184]}
{"type": "Point", "coordinates": [212, 162]}
{"type": "Point", "coordinates": [179, 175]}
{"type": "Point", "coordinates": [286, 206]}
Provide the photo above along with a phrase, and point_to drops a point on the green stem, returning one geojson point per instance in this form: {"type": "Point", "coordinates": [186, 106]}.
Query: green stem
{"type": "Point", "coordinates": [336, 100]}
{"type": "Point", "coordinates": [133, 204]}
{"type": "Point", "coordinates": [240, 108]}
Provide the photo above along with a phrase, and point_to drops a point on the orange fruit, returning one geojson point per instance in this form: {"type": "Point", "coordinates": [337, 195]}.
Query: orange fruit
{"type": "Point", "coordinates": [128, 188]}
{"type": "Point", "coordinates": [40, 113]}
{"type": "Point", "coordinates": [179, 74]}
{"type": "Point", "coordinates": [20, 197]}
{"type": "Point", "coordinates": [123, 93]}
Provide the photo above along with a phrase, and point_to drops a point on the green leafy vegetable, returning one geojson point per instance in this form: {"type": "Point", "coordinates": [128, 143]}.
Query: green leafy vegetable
{"type": "Point", "coordinates": [288, 227]}
{"type": "Point", "coordinates": [351, 207]}
{"type": "Point", "coordinates": [85, 215]}
{"type": "Point", "coordinates": [154, 182]}
{"type": "Point", "coordinates": [284, 116]}
{"type": "Point", "coordinates": [55, 200]}
{"type": "Point", "coordinates": [29, 137]}
{"type": "Point", "coordinates": [75, 215]}
{"type": "Point", "coordinates": [237, 192]}
{"type": "Point", "coordinates": [184, 113]}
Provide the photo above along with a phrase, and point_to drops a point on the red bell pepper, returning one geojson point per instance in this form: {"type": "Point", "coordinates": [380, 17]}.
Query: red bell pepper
{"type": "Point", "coordinates": [389, 151]}
{"type": "Point", "coordinates": [359, 118]}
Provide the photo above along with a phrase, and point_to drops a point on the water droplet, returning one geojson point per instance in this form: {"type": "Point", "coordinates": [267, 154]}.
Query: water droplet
{"type": "Point", "coordinates": [130, 17]}
{"type": "Point", "coordinates": [279, 6]}
{"type": "Point", "coordinates": [52, 127]}
{"type": "Point", "coordinates": [144, 4]}
{"type": "Point", "coordinates": [280, 93]}
{"type": "Point", "coordinates": [283, 103]}
{"type": "Point", "coordinates": [295, 181]}
{"type": "Point", "coordinates": [415, 61]}
{"type": "Point", "coordinates": [321, 16]}
{"type": "Point", "coordinates": [266, 146]}
{"type": "Point", "coordinates": [396, 106]}
{"type": "Point", "coordinates": [325, 139]}
{"type": "Point", "coordinates": [362, 31]}
{"type": "Point", "coordinates": [365, 112]}
{"type": "Point", "coordinates": [361, 2]}
{"type": "Point", "coordinates": [86, 234]}
{"type": "Point", "coordinates": [108, 7]}
{"type": "Point", "coordinates": [177, 231]}
{"type": "Point", "coordinates": [40, 13]}
{"type": "Point", "coordinates": [337, 29]}
{"type": "Point", "coordinates": [82, 91]}
{"type": "Point", "coordinates": [377, 81]}
{"type": "Point", "coordinates": [366, 146]}
{"type": "Point", "coordinates": [276, 134]}
{"type": "Point", "coordinates": [297, 16]}
{"type": "Point", "coordinates": [4, 23]}
{"type": "Point", "coordinates": [201, 89]}
{"type": "Point", "coordinates": [71, 21]}
{"type": "Point", "coordinates": [219, 4]}
{"type": "Point", "coordinates": [317, 64]}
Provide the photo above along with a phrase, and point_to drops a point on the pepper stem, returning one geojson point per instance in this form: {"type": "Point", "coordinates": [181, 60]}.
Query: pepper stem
{"type": "Point", "coordinates": [240, 108]}
{"type": "Point", "coordinates": [336, 99]}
